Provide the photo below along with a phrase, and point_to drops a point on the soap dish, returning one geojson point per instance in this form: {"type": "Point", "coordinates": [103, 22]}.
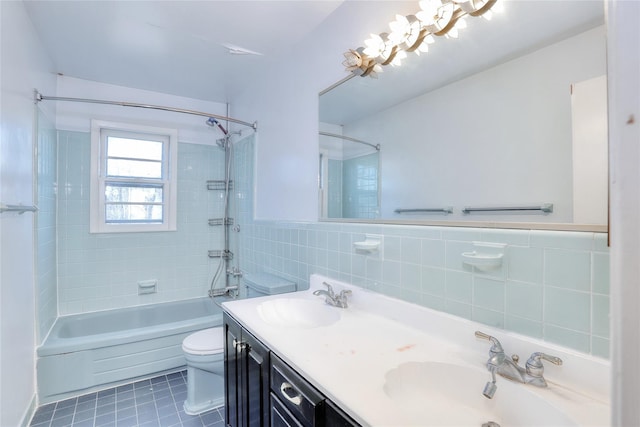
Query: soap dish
{"type": "Point", "coordinates": [369, 245]}
{"type": "Point", "coordinates": [482, 261]}
{"type": "Point", "coordinates": [485, 256]}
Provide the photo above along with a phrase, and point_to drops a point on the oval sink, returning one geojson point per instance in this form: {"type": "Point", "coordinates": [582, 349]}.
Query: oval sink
{"type": "Point", "coordinates": [435, 393]}
{"type": "Point", "coordinates": [297, 313]}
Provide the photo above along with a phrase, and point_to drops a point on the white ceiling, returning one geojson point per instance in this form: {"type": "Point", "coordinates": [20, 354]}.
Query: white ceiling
{"type": "Point", "coordinates": [175, 47]}
{"type": "Point", "coordinates": [180, 47]}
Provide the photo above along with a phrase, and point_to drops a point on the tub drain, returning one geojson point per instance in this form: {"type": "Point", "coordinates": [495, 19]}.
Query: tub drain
{"type": "Point", "coordinates": [491, 424]}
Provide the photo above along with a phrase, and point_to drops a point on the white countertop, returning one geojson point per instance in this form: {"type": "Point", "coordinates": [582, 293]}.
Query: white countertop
{"type": "Point", "coordinates": [349, 360]}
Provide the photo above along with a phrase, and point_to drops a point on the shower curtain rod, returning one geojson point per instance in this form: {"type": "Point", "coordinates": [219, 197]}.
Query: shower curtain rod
{"type": "Point", "coordinates": [40, 97]}
{"type": "Point", "coordinates": [348, 138]}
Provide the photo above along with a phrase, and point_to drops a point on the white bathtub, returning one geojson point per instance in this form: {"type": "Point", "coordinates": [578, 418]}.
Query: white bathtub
{"type": "Point", "coordinates": [96, 350]}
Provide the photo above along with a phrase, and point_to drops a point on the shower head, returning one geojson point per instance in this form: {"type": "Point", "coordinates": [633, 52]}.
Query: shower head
{"type": "Point", "coordinates": [213, 123]}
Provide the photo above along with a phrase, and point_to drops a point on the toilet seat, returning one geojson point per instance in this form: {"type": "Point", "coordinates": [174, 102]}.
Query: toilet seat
{"type": "Point", "coordinates": [205, 342]}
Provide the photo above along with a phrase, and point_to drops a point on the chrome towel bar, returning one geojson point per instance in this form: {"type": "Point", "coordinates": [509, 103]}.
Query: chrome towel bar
{"type": "Point", "coordinates": [545, 207]}
{"type": "Point", "coordinates": [446, 210]}
{"type": "Point", "coordinates": [17, 208]}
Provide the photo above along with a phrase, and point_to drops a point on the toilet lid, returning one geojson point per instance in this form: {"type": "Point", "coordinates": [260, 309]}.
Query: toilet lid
{"type": "Point", "coordinates": [207, 341]}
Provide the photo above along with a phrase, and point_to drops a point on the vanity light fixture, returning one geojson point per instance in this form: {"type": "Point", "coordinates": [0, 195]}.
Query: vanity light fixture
{"type": "Point", "coordinates": [413, 33]}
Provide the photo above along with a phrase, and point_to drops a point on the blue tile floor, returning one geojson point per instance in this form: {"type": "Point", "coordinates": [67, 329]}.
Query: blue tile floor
{"type": "Point", "coordinates": [156, 402]}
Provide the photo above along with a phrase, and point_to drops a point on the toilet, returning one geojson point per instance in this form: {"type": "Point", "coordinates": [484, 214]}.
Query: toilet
{"type": "Point", "coordinates": [204, 350]}
{"type": "Point", "coordinates": [261, 284]}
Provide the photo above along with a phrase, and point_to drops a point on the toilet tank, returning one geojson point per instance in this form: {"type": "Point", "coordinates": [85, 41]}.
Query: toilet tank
{"type": "Point", "coordinates": [261, 284]}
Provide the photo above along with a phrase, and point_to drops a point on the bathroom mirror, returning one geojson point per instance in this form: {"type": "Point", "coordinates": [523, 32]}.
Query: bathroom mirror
{"type": "Point", "coordinates": [505, 124]}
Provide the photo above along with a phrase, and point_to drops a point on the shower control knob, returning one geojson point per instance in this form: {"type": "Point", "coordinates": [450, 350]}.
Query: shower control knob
{"type": "Point", "coordinates": [236, 228]}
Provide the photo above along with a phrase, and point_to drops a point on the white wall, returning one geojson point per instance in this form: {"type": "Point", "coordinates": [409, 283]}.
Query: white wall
{"type": "Point", "coordinates": [590, 151]}
{"type": "Point", "coordinates": [284, 101]}
{"type": "Point", "coordinates": [25, 66]}
{"type": "Point", "coordinates": [624, 154]}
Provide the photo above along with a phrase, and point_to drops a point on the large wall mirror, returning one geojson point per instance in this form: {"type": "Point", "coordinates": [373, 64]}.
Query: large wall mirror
{"type": "Point", "coordinates": [505, 124]}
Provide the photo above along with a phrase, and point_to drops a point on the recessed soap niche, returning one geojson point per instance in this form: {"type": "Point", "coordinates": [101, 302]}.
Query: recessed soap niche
{"type": "Point", "coordinates": [486, 256]}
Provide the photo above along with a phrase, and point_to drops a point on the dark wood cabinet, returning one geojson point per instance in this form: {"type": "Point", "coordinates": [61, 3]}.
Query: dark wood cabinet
{"type": "Point", "coordinates": [289, 389]}
{"type": "Point", "coordinates": [335, 417]}
{"type": "Point", "coordinates": [261, 390]}
{"type": "Point", "coordinates": [246, 363]}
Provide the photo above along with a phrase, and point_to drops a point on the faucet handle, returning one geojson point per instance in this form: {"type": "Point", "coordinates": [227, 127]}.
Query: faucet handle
{"type": "Point", "coordinates": [329, 289]}
{"type": "Point", "coordinates": [534, 365]}
{"type": "Point", "coordinates": [496, 347]}
{"type": "Point", "coordinates": [341, 299]}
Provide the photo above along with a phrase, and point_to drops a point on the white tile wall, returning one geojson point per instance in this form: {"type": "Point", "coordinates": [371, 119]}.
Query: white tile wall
{"type": "Point", "coordinates": [101, 271]}
{"type": "Point", "coordinates": [552, 285]}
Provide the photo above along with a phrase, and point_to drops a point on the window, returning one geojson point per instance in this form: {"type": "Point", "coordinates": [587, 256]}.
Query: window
{"type": "Point", "coordinates": [133, 178]}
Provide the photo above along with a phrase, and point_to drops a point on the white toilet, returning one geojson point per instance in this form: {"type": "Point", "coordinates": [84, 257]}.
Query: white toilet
{"type": "Point", "coordinates": [204, 350]}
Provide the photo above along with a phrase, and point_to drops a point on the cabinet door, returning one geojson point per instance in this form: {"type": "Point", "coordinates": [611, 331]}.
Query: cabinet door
{"type": "Point", "coordinates": [233, 333]}
{"type": "Point", "coordinates": [246, 377]}
{"type": "Point", "coordinates": [255, 382]}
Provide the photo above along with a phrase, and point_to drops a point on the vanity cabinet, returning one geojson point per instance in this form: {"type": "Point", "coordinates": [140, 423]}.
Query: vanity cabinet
{"type": "Point", "coordinates": [246, 364]}
{"type": "Point", "coordinates": [262, 390]}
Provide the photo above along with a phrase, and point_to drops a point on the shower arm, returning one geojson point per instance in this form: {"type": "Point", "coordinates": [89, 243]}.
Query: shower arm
{"type": "Point", "coordinates": [40, 97]}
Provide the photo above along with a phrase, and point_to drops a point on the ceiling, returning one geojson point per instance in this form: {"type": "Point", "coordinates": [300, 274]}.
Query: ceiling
{"type": "Point", "coordinates": [186, 48]}
{"type": "Point", "coordinates": [183, 47]}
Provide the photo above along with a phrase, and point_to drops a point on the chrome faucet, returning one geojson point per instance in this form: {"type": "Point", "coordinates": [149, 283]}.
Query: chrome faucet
{"type": "Point", "coordinates": [339, 300]}
{"type": "Point", "coordinates": [499, 363]}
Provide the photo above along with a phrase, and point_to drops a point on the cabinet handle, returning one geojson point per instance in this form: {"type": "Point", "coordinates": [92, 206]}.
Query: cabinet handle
{"type": "Point", "coordinates": [284, 389]}
{"type": "Point", "coordinates": [239, 344]}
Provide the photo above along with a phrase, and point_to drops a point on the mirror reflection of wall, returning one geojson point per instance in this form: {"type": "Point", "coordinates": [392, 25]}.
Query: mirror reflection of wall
{"type": "Point", "coordinates": [501, 136]}
{"type": "Point", "coordinates": [349, 181]}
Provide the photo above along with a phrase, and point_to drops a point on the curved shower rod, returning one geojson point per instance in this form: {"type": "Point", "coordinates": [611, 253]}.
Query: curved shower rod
{"type": "Point", "coordinates": [40, 97]}
{"type": "Point", "coordinates": [348, 138]}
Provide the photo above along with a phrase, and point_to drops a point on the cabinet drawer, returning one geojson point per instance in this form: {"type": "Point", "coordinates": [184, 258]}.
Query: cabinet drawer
{"type": "Point", "coordinates": [298, 396]}
{"type": "Point", "coordinates": [280, 416]}
{"type": "Point", "coordinates": [334, 417]}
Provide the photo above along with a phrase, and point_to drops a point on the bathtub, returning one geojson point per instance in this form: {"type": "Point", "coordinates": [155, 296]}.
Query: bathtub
{"type": "Point", "coordinates": [90, 351]}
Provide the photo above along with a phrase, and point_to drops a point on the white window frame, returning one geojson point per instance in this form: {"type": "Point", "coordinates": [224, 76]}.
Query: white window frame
{"type": "Point", "coordinates": [97, 221]}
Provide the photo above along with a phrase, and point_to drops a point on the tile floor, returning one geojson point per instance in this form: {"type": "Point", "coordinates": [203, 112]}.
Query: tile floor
{"type": "Point", "coordinates": [155, 402]}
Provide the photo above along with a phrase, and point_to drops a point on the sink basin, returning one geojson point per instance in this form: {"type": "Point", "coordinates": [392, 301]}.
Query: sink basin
{"type": "Point", "coordinates": [298, 313]}
{"type": "Point", "coordinates": [433, 393]}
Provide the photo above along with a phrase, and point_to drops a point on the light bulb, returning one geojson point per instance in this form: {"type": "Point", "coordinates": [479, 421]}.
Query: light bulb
{"type": "Point", "coordinates": [400, 28]}
{"type": "Point", "coordinates": [397, 60]}
{"type": "Point", "coordinates": [423, 48]}
{"type": "Point", "coordinates": [375, 46]}
{"type": "Point", "coordinates": [429, 12]}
